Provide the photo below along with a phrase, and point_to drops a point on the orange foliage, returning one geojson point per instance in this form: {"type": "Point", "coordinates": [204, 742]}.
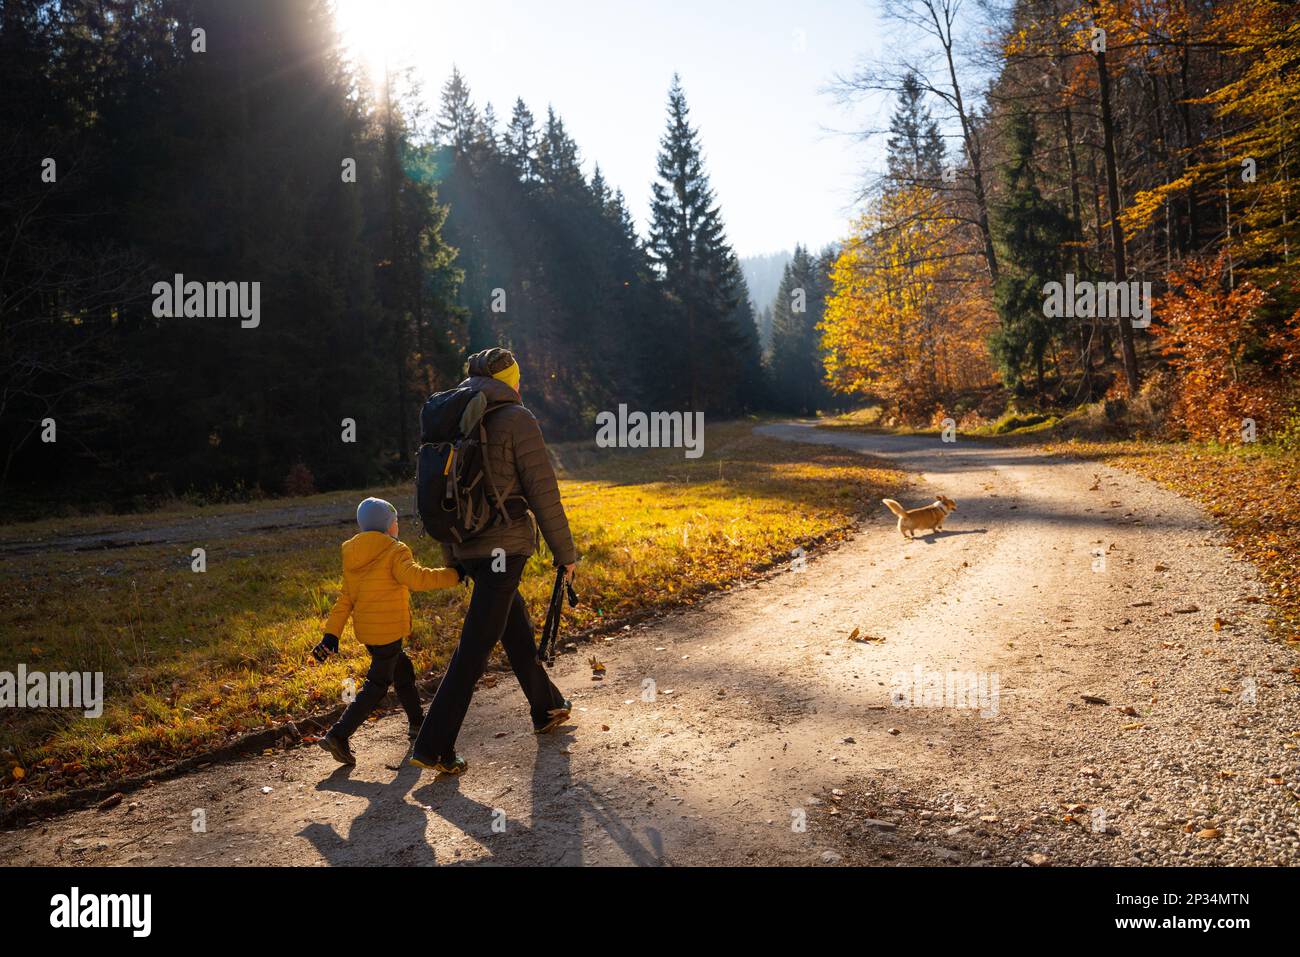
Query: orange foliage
{"type": "Point", "coordinates": [1216, 341]}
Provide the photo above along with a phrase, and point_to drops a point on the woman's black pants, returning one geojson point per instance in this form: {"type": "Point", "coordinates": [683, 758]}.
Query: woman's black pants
{"type": "Point", "coordinates": [496, 613]}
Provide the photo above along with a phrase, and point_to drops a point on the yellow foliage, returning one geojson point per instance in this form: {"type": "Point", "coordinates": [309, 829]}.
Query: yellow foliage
{"type": "Point", "coordinates": [906, 321]}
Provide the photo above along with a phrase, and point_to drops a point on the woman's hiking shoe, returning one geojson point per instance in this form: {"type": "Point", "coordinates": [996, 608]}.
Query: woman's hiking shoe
{"type": "Point", "coordinates": [453, 765]}
{"type": "Point", "coordinates": [557, 717]}
{"type": "Point", "coordinates": [338, 747]}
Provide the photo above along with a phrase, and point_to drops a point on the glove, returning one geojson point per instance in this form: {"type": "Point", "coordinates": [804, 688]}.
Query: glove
{"type": "Point", "coordinates": [461, 573]}
{"type": "Point", "coordinates": [329, 645]}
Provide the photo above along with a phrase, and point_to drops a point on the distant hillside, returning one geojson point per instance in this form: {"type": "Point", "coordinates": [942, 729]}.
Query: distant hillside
{"type": "Point", "coordinates": [763, 274]}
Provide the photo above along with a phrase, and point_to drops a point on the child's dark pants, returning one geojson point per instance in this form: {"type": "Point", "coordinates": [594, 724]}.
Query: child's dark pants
{"type": "Point", "coordinates": [388, 666]}
{"type": "Point", "coordinates": [496, 613]}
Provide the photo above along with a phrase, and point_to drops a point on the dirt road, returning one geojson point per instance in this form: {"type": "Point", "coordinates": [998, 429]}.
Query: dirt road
{"type": "Point", "coordinates": [751, 729]}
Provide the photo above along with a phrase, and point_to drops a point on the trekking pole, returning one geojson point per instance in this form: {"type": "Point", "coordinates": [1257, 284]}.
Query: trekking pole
{"type": "Point", "coordinates": [551, 627]}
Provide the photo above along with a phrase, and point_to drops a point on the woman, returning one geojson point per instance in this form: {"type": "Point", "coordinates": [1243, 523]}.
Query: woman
{"type": "Point", "coordinates": [520, 470]}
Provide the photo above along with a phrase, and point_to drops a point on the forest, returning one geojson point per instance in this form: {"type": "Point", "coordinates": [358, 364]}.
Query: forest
{"type": "Point", "coordinates": [1109, 145]}
{"type": "Point", "coordinates": [389, 231]}
{"type": "Point", "coordinates": [386, 245]}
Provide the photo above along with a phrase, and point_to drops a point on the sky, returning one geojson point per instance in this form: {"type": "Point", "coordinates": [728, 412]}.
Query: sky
{"type": "Point", "coordinates": [754, 72]}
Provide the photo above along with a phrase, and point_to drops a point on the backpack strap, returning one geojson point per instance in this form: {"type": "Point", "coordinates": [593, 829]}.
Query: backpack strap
{"type": "Point", "coordinates": [487, 467]}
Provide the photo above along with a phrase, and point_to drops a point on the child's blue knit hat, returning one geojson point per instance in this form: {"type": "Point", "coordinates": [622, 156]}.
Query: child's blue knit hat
{"type": "Point", "coordinates": [375, 515]}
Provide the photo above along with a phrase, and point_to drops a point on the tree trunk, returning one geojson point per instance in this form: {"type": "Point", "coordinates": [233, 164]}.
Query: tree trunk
{"type": "Point", "coordinates": [1116, 231]}
{"type": "Point", "coordinates": [971, 142]}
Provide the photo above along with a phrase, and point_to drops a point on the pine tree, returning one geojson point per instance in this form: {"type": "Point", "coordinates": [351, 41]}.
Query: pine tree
{"type": "Point", "coordinates": [709, 343]}
{"type": "Point", "coordinates": [459, 124]}
{"type": "Point", "coordinates": [558, 164]}
{"type": "Point", "coordinates": [796, 363]}
{"type": "Point", "coordinates": [916, 150]}
{"type": "Point", "coordinates": [1030, 231]}
{"type": "Point", "coordinates": [519, 143]}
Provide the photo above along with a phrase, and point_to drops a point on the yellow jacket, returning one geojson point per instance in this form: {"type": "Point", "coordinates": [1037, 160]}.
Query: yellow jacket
{"type": "Point", "coordinates": [379, 574]}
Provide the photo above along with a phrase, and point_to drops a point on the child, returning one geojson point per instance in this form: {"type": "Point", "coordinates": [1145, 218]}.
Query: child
{"type": "Point", "coordinates": [379, 574]}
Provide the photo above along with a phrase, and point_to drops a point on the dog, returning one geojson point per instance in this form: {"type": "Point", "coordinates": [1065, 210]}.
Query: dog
{"type": "Point", "coordinates": [929, 517]}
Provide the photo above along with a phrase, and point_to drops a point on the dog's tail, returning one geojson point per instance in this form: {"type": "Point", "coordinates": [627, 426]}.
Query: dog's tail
{"type": "Point", "coordinates": [894, 507]}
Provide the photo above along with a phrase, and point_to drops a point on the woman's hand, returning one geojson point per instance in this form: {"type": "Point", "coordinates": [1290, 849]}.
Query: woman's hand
{"type": "Point", "coordinates": [569, 569]}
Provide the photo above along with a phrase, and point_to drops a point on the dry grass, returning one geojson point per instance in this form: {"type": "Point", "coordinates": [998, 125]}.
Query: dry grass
{"type": "Point", "coordinates": [192, 660]}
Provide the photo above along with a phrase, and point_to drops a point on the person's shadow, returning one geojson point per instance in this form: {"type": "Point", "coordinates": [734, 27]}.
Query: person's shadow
{"type": "Point", "coordinates": [559, 807]}
{"type": "Point", "coordinates": [390, 830]}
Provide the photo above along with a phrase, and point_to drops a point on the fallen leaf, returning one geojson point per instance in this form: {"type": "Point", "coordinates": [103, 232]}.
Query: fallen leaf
{"type": "Point", "coordinates": [864, 639]}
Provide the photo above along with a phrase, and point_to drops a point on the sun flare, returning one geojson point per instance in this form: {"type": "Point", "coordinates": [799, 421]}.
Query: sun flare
{"type": "Point", "coordinates": [378, 34]}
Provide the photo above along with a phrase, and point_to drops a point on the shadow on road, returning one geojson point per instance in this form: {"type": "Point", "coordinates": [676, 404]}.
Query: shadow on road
{"type": "Point", "coordinates": [554, 835]}
{"type": "Point", "coordinates": [391, 830]}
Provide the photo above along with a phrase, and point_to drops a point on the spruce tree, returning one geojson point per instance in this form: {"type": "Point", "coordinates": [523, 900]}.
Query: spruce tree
{"type": "Point", "coordinates": [1030, 232]}
{"type": "Point", "coordinates": [916, 150]}
{"type": "Point", "coordinates": [519, 143]}
{"type": "Point", "coordinates": [796, 360]}
{"type": "Point", "coordinates": [709, 343]}
{"type": "Point", "coordinates": [458, 124]}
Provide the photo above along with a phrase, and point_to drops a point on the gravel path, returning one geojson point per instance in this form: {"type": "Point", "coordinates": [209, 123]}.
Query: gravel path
{"type": "Point", "coordinates": [210, 526]}
{"type": "Point", "coordinates": [751, 729]}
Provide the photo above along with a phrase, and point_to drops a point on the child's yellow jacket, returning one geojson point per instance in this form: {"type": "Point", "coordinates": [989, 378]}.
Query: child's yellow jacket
{"type": "Point", "coordinates": [379, 574]}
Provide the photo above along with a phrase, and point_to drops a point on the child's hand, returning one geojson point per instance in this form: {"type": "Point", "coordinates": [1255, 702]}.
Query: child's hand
{"type": "Point", "coordinates": [329, 645]}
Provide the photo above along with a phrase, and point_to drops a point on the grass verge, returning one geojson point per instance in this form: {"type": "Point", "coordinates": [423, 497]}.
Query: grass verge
{"type": "Point", "coordinates": [191, 661]}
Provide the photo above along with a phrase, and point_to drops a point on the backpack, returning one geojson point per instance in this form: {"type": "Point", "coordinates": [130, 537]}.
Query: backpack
{"type": "Point", "coordinates": [454, 494]}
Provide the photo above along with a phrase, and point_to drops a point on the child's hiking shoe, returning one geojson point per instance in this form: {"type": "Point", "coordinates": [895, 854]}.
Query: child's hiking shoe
{"type": "Point", "coordinates": [338, 747]}
{"type": "Point", "coordinates": [453, 765]}
{"type": "Point", "coordinates": [556, 717]}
